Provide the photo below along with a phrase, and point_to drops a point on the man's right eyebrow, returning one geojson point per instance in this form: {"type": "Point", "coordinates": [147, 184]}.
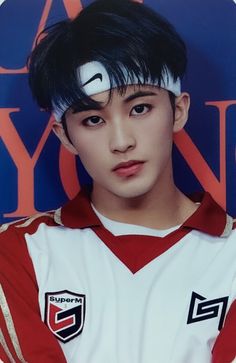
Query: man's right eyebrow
{"type": "Point", "coordinates": [83, 107]}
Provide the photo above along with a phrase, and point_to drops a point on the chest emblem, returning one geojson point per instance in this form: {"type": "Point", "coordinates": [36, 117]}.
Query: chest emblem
{"type": "Point", "coordinates": [202, 309]}
{"type": "Point", "coordinates": [64, 314]}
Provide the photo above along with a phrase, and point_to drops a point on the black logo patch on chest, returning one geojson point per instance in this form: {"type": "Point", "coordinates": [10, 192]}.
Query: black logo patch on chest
{"type": "Point", "coordinates": [202, 309]}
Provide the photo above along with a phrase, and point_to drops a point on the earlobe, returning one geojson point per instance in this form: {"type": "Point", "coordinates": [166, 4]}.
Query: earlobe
{"type": "Point", "coordinates": [60, 133]}
{"type": "Point", "coordinates": [182, 104]}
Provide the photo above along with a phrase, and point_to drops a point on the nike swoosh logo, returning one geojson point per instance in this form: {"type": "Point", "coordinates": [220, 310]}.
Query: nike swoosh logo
{"type": "Point", "coordinates": [96, 76]}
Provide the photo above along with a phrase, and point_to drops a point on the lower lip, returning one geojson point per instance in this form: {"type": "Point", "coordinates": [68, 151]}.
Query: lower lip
{"type": "Point", "coordinates": [129, 170]}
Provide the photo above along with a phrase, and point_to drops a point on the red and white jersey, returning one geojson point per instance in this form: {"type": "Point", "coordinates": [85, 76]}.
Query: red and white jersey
{"type": "Point", "coordinates": [73, 291]}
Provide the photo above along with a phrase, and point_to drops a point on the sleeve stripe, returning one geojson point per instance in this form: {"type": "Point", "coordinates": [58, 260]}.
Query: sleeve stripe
{"type": "Point", "coordinates": [10, 326]}
{"type": "Point", "coordinates": [5, 348]}
{"type": "Point", "coordinates": [28, 221]}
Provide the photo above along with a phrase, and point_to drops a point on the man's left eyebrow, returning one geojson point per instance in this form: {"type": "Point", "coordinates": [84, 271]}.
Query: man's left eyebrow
{"type": "Point", "coordinates": [139, 94]}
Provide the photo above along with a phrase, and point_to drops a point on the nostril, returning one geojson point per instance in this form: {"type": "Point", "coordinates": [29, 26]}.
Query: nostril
{"type": "Point", "coordinates": [123, 148]}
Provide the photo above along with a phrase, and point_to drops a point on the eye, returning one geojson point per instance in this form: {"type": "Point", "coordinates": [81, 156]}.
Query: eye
{"type": "Point", "coordinates": [93, 121]}
{"type": "Point", "coordinates": [141, 109]}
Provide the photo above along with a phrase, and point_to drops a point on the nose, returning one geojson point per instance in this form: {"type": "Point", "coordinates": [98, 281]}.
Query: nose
{"type": "Point", "coordinates": [121, 138]}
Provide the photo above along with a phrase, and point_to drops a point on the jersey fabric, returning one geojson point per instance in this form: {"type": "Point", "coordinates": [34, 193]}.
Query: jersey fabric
{"type": "Point", "coordinates": [73, 291]}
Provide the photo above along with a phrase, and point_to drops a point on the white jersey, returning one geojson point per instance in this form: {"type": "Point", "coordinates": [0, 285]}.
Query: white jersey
{"type": "Point", "coordinates": [126, 298]}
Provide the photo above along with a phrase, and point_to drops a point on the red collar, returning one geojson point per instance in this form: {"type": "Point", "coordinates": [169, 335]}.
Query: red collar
{"type": "Point", "coordinates": [209, 218]}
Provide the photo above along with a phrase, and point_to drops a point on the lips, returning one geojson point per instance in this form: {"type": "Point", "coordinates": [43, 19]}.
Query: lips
{"type": "Point", "coordinates": [128, 168]}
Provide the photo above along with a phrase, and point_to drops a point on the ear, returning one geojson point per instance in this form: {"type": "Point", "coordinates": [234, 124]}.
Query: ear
{"type": "Point", "coordinates": [60, 133]}
{"type": "Point", "coordinates": [182, 104]}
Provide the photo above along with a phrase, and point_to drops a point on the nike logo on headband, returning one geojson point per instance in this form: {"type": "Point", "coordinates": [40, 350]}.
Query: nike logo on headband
{"type": "Point", "coordinates": [96, 76]}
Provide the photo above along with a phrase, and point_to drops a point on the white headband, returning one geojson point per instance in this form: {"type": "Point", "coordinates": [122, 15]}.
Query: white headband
{"type": "Point", "coordinates": [94, 79]}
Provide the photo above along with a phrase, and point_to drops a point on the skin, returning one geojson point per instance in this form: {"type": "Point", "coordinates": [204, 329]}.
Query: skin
{"type": "Point", "coordinates": [135, 126]}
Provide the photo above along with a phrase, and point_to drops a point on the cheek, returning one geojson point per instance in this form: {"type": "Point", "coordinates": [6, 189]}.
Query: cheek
{"type": "Point", "coordinates": [90, 144]}
{"type": "Point", "coordinates": [88, 151]}
{"type": "Point", "coordinates": [159, 134]}
{"type": "Point", "coordinates": [83, 142]}
{"type": "Point", "coordinates": [90, 154]}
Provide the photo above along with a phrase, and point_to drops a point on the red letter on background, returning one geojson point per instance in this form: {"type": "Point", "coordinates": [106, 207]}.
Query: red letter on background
{"type": "Point", "coordinates": [24, 163]}
{"type": "Point", "coordinates": [198, 164]}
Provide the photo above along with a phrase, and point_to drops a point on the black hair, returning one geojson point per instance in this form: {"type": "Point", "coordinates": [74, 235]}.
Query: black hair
{"type": "Point", "coordinates": [125, 36]}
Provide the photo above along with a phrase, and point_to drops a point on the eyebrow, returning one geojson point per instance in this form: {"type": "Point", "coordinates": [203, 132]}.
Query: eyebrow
{"type": "Point", "coordinates": [81, 108]}
{"type": "Point", "coordinates": [139, 94]}
{"type": "Point", "coordinates": [98, 106]}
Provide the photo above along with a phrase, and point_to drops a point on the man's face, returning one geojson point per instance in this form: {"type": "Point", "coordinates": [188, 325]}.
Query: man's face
{"type": "Point", "coordinates": [126, 144]}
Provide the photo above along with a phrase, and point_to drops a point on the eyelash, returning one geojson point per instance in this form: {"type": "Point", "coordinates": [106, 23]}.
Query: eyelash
{"type": "Point", "coordinates": [149, 107]}
{"type": "Point", "coordinates": [143, 105]}
{"type": "Point", "coordinates": [86, 121]}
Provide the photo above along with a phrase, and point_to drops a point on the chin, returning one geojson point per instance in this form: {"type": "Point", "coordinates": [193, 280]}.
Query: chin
{"type": "Point", "coordinates": [131, 191]}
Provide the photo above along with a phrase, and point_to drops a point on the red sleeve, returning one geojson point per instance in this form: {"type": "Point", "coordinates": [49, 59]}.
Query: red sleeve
{"type": "Point", "coordinates": [23, 335]}
{"type": "Point", "coordinates": [224, 350]}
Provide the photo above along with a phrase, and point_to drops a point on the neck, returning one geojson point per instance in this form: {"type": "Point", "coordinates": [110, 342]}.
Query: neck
{"type": "Point", "coordinates": [159, 209]}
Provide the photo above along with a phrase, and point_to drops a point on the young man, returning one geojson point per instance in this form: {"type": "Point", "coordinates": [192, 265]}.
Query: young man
{"type": "Point", "coordinates": [133, 270]}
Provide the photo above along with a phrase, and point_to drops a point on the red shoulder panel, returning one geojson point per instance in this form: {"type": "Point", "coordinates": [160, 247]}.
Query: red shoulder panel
{"type": "Point", "coordinates": [224, 350]}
